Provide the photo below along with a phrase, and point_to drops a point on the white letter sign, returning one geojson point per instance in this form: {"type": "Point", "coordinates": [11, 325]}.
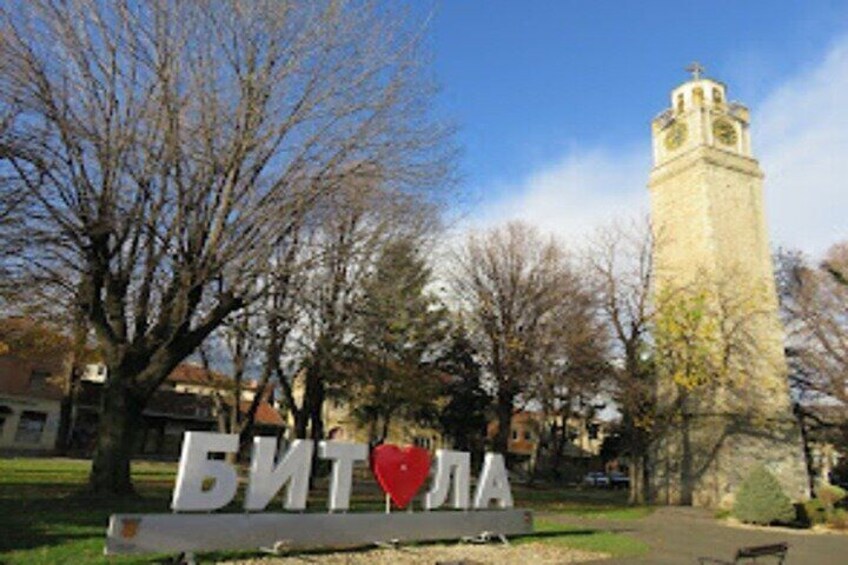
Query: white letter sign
{"type": "Point", "coordinates": [450, 463]}
{"type": "Point", "coordinates": [266, 479]}
{"type": "Point", "coordinates": [196, 467]}
{"type": "Point", "coordinates": [343, 455]}
{"type": "Point", "coordinates": [206, 483]}
{"type": "Point", "coordinates": [493, 483]}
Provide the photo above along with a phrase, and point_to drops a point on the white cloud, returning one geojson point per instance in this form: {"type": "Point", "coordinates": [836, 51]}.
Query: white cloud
{"type": "Point", "coordinates": [582, 191]}
{"type": "Point", "coordinates": [800, 136]}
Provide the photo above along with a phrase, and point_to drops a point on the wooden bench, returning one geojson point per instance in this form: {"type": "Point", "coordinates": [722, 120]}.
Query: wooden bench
{"type": "Point", "coordinates": [752, 554]}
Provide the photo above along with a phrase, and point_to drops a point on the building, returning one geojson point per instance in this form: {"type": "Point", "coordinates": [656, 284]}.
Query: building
{"type": "Point", "coordinates": [528, 445]}
{"type": "Point", "coordinates": [531, 445]}
{"type": "Point", "coordinates": [189, 400]}
{"type": "Point", "coordinates": [524, 438]}
{"type": "Point", "coordinates": [710, 235]}
{"type": "Point", "coordinates": [30, 402]}
{"type": "Point", "coordinates": [341, 424]}
{"type": "Point", "coordinates": [35, 382]}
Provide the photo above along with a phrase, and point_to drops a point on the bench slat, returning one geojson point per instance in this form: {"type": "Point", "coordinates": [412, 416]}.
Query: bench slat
{"type": "Point", "coordinates": [761, 550]}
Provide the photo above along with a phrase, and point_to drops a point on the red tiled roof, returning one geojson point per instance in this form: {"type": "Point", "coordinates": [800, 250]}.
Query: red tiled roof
{"type": "Point", "coordinates": [16, 377]}
{"type": "Point", "coordinates": [189, 373]}
{"type": "Point", "coordinates": [265, 414]}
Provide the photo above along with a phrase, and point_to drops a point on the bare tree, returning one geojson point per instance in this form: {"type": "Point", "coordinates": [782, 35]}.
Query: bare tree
{"type": "Point", "coordinates": [313, 293]}
{"type": "Point", "coordinates": [572, 365]}
{"type": "Point", "coordinates": [619, 257]}
{"type": "Point", "coordinates": [815, 303]}
{"type": "Point", "coordinates": [255, 341]}
{"type": "Point", "coordinates": [168, 150]}
{"type": "Point", "coordinates": [510, 284]}
{"type": "Point", "coordinates": [359, 222]}
{"type": "Point", "coordinates": [239, 342]}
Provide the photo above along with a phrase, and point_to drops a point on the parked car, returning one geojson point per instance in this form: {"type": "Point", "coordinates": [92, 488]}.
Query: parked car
{"type": "Point", "coordinates": [619, 480]}
{"type": "Point", "coordinates": [596, 479]}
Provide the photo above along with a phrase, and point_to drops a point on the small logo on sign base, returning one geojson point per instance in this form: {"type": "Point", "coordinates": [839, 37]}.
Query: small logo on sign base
{"type": "Point", "coordinates": [129, 527]}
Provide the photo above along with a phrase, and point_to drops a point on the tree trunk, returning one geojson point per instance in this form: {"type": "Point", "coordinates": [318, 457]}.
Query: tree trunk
{"type": "Point", "coordinates": [384, 436]}
{"type": "Point", "coordinates": [301, 422]}
{"type": "Point", "coordinates": [638, 478]}
{"type": "Point", "coordinates": [559, 437]}
{"type": "Point", "coordinates": [316, 418]}
{"type": "Point", "coordinates": [504, 411]}
{"type": "Point", "coordinates": [372, 431]}
{"type": "Point", "coordinates": [805, 441]}
{"type": "Point", "coordinates": [120, 416]}
{"type": "Point", "coordinates": [71, 386]}
{"type": "Point", "coordinates": [687, 478]}
{"type": "Point", "coordinates": [638, 441]}
{"type": "Point", "coordinates": [63, 434]}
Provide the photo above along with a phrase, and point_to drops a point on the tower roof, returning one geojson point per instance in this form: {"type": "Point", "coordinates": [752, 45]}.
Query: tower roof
{"type": "Point", "coordinates": [699, 74]}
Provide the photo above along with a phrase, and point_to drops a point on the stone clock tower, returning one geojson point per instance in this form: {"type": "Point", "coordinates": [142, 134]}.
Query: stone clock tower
{"type": "Point", "coordinates": [712, 243]}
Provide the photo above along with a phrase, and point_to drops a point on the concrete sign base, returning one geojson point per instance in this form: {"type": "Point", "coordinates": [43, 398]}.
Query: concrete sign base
{"type": "Point", "coordinates": [179, 533]}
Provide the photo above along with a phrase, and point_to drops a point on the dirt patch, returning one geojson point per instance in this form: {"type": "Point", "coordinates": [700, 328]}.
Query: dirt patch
{"type": "Point", "coordinates": [535, 553]}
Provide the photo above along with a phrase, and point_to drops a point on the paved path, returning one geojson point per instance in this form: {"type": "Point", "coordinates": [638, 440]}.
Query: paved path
{"type": "Point", "coordinates": [678, 535]}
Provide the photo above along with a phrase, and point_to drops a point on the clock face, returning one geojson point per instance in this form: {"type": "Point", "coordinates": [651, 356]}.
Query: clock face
{"type": "Point", "coordinates": [675, 136]}
{"type": "Point", "coordinates": [724, 132]}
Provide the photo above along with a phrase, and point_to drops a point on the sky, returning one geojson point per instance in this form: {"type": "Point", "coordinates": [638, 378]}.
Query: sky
{"type": "Point", "coordinates": [553, 101]}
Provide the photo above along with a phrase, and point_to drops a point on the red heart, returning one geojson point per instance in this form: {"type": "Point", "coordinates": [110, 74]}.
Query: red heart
{"type": "Point", "coordinates": [400, 471]}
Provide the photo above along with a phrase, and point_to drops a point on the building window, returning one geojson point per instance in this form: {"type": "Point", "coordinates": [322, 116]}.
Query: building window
{"type": "Point", "coordinates": [593, 431]}
{"type": "Point", "coordinates": [680, 105]}
{"type": "Point", "coordinates": [514, 435]}
{"type": "Point", "coordinates": [528, 436]}
{"type": "Point", "coordinates": [421, 442]}
{"type": "Point", "coordinates": [30, 427]}
{"type": "Point", "coordinates": [5, 412]}
{"type": "Point", "coordinates": [38, 379]}
{"type": "Point", "coordinates": [716, 95]}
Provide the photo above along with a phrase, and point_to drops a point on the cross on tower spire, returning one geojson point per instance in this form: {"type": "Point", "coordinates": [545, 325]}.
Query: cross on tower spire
{"type": "Point", "coordinates": [697, 69]}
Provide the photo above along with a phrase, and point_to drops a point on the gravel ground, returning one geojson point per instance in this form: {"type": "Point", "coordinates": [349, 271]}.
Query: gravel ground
{"type": "Point", "coordinates": [530, 553]}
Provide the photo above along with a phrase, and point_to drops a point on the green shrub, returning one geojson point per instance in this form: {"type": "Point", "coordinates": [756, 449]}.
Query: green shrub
{"type": "Point", "coordinates": [722, 514]}
{"type": "Point", "coordinates": [838, 519]}
{"type": "Point", "coordinates": [830, 495]}
{"type": "Point", "coordinates": [760, 500]}
{"type": "Point", "coordinates": [813, 512]}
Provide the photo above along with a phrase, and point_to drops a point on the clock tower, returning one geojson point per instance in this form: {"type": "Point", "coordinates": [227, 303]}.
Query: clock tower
{"type": "Point", "coordinates": [711, 242]}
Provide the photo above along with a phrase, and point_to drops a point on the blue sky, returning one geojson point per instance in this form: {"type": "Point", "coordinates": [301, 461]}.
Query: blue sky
{"type": "Point", "coordinates": [549, 94]}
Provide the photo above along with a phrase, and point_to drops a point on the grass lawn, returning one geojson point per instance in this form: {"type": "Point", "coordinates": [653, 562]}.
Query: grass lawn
{"type": "Point", "coordinates": [588, 503]}
{"type": "Point", "coordinates": [586, 538]}
{"type": "Point", "coordinates": [46, 516]}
